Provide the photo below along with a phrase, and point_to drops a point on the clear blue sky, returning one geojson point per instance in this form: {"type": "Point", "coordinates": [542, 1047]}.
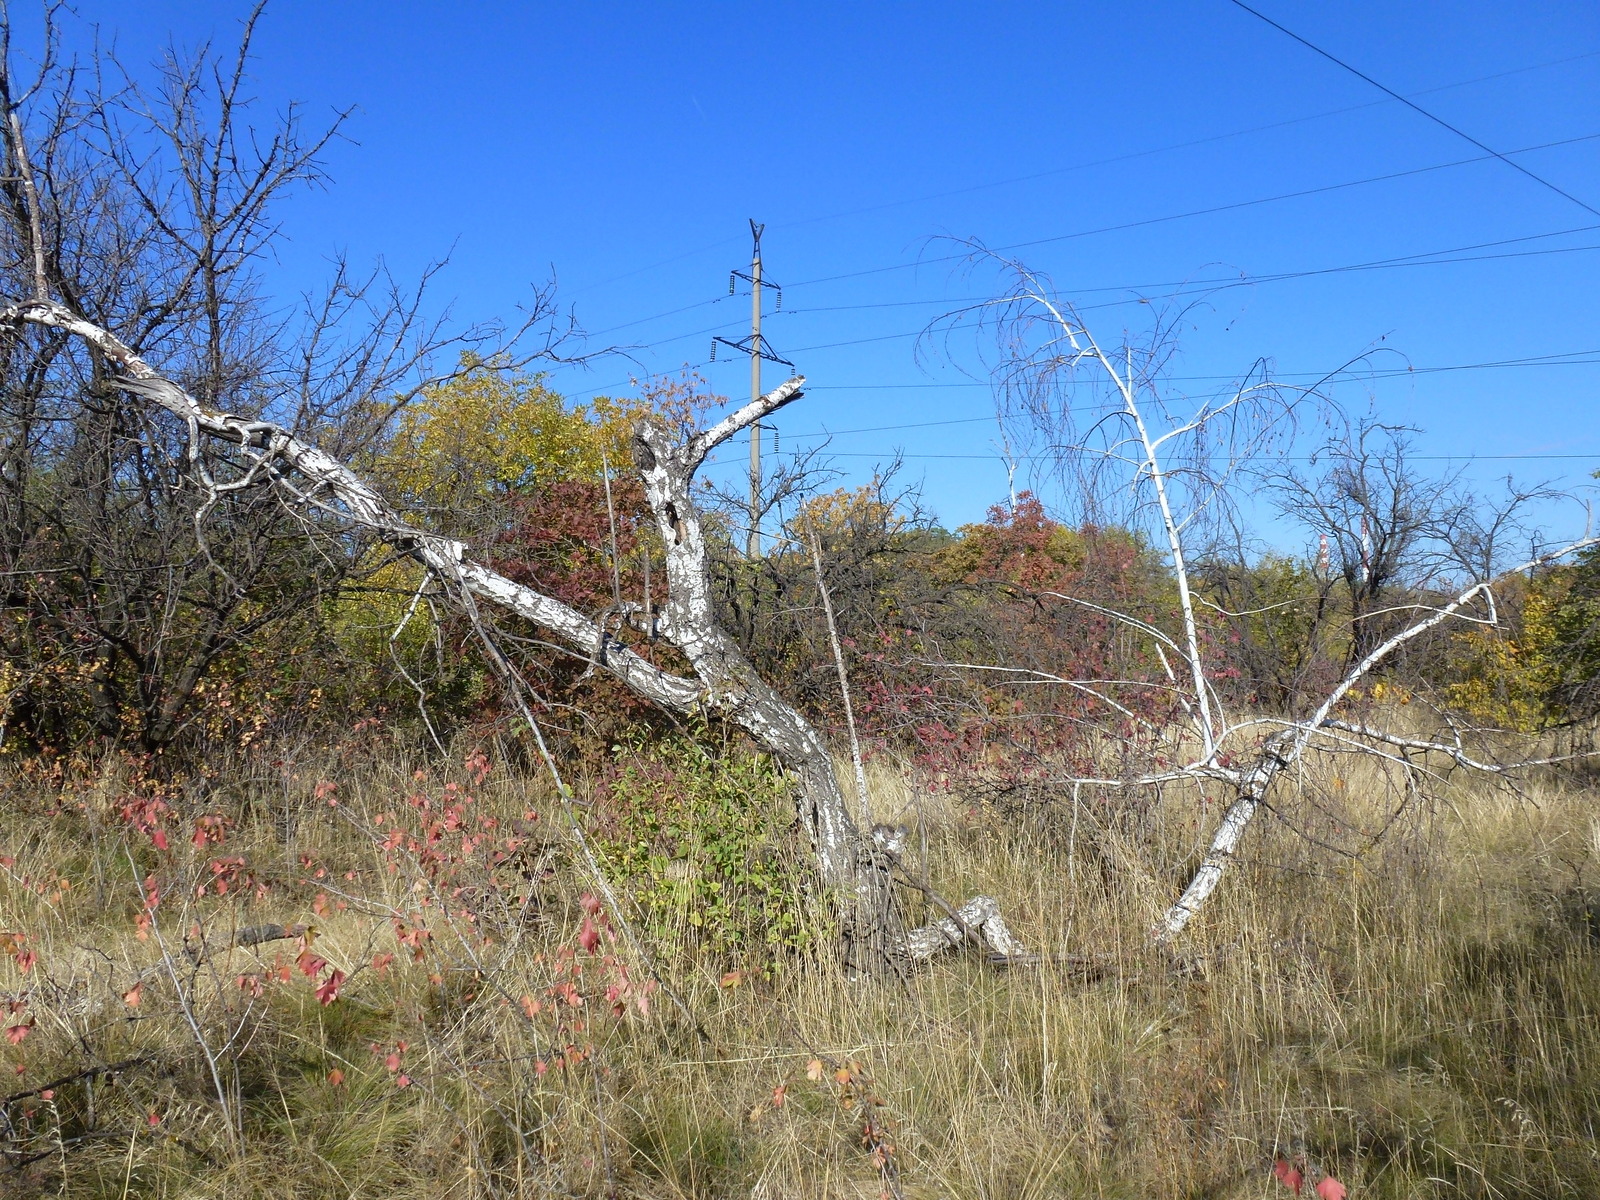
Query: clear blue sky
{"type": "Point", "coordinates": [624, 146]}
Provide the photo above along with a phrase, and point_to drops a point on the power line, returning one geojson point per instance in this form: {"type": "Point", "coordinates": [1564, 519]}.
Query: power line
{"type": "Point", "coordinates": [1557, 359]}
{"type": "Point", "coordinates": [1417, 108]}
{"type": "Point", "coordinates": [661, 316]}
{"type": "Point", "coordinates": [1425, 258]}
{"type": "Point", "coordinates": [1112, 161]}
{"type": "Point", "coordinates": [1568, 358]}
{"type": "Point", "coordinates": [1203, 212]}
{"type": "Point", "coordinates": [1190, 145]}
{"type": "Point", "coordinates": [1190, 287]}
{"type": "Point", "coordinates": [1084, 166]}
{"type": "Point", "coordinates": [1133, 225]}
{"type": "Point", "coordinates": [1452, 458]}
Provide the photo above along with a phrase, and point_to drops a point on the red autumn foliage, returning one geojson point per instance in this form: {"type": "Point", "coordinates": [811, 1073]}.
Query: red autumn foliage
{"type": "Point", "coordinates": [994, 675]}
{"type": "Point", "coordinates": [1289, 1175]}
{"type": "Point", "coordinates": [328, 990]}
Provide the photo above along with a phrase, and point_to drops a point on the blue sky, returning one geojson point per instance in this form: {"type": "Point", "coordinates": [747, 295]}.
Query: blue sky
{"type": "Point", "coordinates": [624, 147]}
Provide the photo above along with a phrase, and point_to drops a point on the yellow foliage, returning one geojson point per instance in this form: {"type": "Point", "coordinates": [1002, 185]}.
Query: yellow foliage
{"type": "Point", "coordinates": [841, 510]}
{"type": "Point", "coordinates": [490, 429]}
{"type": "Point", "coordinates": [1508, 680]}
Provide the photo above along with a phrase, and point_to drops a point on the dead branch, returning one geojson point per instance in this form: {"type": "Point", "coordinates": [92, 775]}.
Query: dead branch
{"type": "Point", "coordinates": [724, 682]}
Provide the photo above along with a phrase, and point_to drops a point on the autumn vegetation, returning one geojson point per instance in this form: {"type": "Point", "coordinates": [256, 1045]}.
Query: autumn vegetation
{"type": "Point", "coordinates": [317, 880]}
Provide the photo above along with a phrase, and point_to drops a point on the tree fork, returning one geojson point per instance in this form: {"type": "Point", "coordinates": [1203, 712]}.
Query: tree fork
{"type": "Point", "coordinates": [856, 873]}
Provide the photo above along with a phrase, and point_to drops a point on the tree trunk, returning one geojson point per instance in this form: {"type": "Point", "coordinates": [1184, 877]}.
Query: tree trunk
{"type": "Point", "coordinates": [856, 873]}
{"type": "Point", "coordinates": [1248, 796]}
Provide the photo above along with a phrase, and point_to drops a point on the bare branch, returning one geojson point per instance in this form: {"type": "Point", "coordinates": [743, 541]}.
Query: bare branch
{"type": "Point", "coordinates": [695, 451]}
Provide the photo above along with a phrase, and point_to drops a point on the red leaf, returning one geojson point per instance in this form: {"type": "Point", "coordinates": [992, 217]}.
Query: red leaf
{"type": "Point", "coordinates": [15, 1033]}
{"type": "Point", "coordinates": [133, 995]}
{"type": "Point", "coordinates": [335, 1077]}
{"type": "Point", "coordinates": [159, 838]}
{"type": "Point", "coordinates": [329, 991]}
{"type": "Point", "coordinates": [1289, 1175]}
{"type": "Point", "coordinates": [1331, 1189]}
{"type": "Point", "coordinates": [588, 935]}
{"type": "Point", "coordinates": [590, 903]}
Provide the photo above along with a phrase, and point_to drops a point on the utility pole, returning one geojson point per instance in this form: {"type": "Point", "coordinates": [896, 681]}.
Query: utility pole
{"type": "Point", "coordinates": [753, 545]}
{"type": "Point", "coordinates": [758, 350]}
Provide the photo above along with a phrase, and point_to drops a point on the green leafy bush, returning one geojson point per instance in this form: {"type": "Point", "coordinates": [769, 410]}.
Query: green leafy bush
{"type": "Point", "coordinates": [704, 845]}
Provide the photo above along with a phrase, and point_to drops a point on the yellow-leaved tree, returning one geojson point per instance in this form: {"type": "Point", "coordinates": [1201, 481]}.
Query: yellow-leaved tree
{"type": "Point", "coordinates": [1508, 677]}
{"type": "Point", "coordinates": [492, 430]}
{"type": "Point", "coordinates": [495, 457]}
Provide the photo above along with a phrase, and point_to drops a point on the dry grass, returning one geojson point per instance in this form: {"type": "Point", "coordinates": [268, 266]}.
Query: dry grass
{"type": "Point", "coordinates": [1420, 1019]}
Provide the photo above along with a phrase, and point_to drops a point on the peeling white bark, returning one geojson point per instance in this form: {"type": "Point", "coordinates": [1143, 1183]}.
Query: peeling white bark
{"type": "Point", "coordinates": [978, 921]}
{"type": "Point", "coordinates": [1286, 747]}
{"type": "Point", "coordinates": [1251, 792]}
{"type": "Point", "coordinates": [849, 865]}
{"type": "Point", "coordinates": [732, 685]}
{"type": "Point", "coordinates": [362, 505]}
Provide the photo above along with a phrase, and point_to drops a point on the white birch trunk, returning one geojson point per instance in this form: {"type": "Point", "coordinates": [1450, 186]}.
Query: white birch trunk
{"type": "Point", "coordinates": [855, 872]}
{"type": "Point", "coordinates": [1252, 790]}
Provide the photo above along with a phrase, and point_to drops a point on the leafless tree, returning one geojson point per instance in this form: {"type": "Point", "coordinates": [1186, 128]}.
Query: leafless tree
{"type": "Point", "coordinates": [1381, 517]}
{"type": "Point", "coordinates": [136, 555]}
{"type": "Point", "coordinates": [202, 223]}
{"type": "Point", "coordinates": [1110, 424]}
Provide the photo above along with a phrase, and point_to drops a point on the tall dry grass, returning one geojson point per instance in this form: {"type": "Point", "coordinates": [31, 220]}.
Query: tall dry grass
{"type": "Point", "coordinates": [1409, 1001]}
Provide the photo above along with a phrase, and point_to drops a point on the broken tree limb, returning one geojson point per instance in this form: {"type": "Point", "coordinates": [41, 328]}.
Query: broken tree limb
{"type": "Point", "coordinates": [1123, 437]}
{"type": "Point", "coordinates": [850, 867]}
{"type": "Point", "coordinates": [1288, 746]}
{"type": "Point", "coordinates": [977, 921]}
{"type": "Point", "coordinates": [1251, 792]}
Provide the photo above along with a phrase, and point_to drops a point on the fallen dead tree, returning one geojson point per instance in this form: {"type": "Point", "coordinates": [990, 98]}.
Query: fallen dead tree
{"type": "Point", "coordinates": [853, 870]}
{"type": "Point", "coordinates": [203, 223]}
{"type": "Point", "coordinates": [1110, 427]}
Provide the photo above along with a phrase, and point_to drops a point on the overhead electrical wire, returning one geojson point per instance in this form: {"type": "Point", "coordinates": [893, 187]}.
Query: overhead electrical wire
{"type": "Point", "coordinates": [1422, 258]}
{"type": "Point", "coordinates": [1563, 359]}
{"type": "Point", "coordinates": [1190, 287]}
{"type": "Point", "coordinates": [1453, 458]}
{"type": "Point", "coordinates": [1459, 254]}
{"type": "Point", "coordinates": [1588, 357]}
{"type": "Point", "coordinates": [1199, 212]}
{"type": "Point", "coordinates": [1195, 287]}
{"type": "Point", "coordinates": [1084, 166]}
{"type": "Point", "coordinates": [1417, 108]}
{"type": "Point", "coordinates": [1399, 261]}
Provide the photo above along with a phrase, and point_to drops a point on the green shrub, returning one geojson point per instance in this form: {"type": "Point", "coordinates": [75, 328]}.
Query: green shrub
{"type": "Point", "coordinates": [704, 845]}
